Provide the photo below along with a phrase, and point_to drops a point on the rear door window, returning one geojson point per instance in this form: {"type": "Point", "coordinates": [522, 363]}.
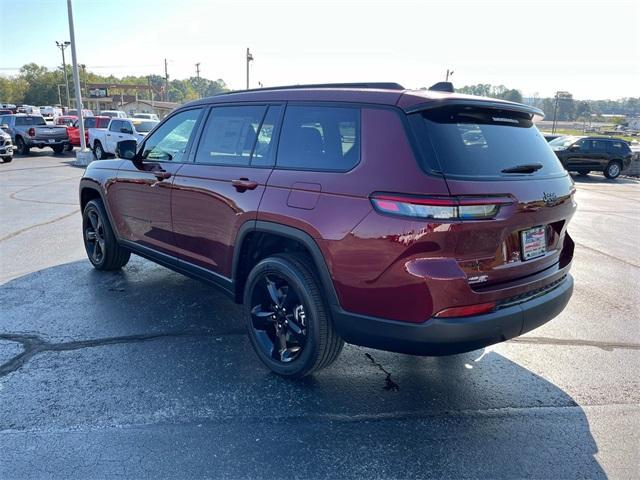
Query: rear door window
{"type": "Point", "coordinates": [474, 143]}
{"type": "Point", "coordinates": [320, 138]}
{"type": "Point", "coordinates": [230, 135]}
{"type": "Point", "coordinates": [618, 148]}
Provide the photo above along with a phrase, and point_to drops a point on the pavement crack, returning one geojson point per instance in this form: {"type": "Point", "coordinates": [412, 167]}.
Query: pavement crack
{"type": "Point", "coordinates": [34, 344]}
{"type": "Point", "coordinates": [607, 346]}
{"type": "Point", "coordinates": [57, 219]}
{"type": "Point", "coordinates": [389, 384]}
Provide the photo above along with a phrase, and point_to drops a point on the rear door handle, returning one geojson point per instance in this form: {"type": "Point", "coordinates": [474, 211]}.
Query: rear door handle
{"type": "Point", "coordinates": [243, 184]}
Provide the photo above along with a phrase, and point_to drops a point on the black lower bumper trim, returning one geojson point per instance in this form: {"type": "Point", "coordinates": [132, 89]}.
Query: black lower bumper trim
{"type": "Point", "coordinates": [446, 336]}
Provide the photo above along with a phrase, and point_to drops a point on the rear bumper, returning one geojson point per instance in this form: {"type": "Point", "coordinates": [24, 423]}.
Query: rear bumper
{"type": "Point", "coordinates": [45, 143]}
{"type": "Point", "coordinates": [445, 336]}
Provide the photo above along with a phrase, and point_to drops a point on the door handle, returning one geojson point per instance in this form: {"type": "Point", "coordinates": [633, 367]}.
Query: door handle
{"type": "Point", "coordinates": [243, 184]}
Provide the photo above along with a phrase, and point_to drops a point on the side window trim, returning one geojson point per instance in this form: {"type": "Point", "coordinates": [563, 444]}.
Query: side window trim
{"type": "Point", "coordinates": [187, 152]}
{"type": "Point", "coordinates": [275, 139]}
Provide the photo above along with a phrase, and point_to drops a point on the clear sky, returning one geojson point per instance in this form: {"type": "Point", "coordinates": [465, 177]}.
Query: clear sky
{"type": "Point", "coordinates": [590, 48]}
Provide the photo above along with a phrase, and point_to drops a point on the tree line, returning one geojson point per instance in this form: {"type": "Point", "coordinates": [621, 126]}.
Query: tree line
{"type": "Point", "coordinates": [566, 108]}
{"type": "Point", "coordinates": [38, 85]}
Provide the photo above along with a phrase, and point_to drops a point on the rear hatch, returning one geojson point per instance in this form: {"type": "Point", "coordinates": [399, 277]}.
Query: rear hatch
{"type": "Point", "coordinates": [515, 198]}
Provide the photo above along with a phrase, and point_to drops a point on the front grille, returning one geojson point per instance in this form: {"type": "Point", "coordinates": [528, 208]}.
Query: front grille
{"type": "Point", "coordinates": [530, 295]}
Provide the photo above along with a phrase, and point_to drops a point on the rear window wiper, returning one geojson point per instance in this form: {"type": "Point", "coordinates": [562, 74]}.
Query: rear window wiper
{"type": "Point", "coordinates": [528, 168]}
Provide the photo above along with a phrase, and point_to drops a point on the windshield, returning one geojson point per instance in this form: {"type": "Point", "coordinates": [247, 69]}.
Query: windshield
{"type": "Point", "coordinates": [475, 142]}
{"type": "Point", "coordinates": [144, 126]}
{"type": "Point", "coordinates": [563, 141]}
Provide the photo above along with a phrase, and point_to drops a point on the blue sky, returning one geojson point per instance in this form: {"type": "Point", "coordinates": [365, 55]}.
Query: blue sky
{"type": "Point", "coordinates": [589, 48]}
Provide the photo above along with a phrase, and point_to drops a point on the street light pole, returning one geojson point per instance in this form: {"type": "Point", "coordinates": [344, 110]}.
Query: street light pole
{"type": "Point", "coordinates": [249, 59]}
{"type": "Point", "coordinates": [555, 113]}
{"type": "Point", "coordinates": [82, 157]}
{"type": "Point", "coordinates": [198, 76]}
{"type": "Point", "coordinates": [62, 46]}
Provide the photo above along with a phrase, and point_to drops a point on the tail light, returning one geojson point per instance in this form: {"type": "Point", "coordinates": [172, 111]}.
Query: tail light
{"type": "Point", "coordinates": [439, 208]}
{"type": "Point", "coordinates": [467, 310]}
{"type": "Point", "coordinates": [31, 132]}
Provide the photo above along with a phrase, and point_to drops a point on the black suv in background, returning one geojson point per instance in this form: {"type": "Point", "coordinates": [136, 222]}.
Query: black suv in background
{"type": "Point", "coordinates": [585, 154]}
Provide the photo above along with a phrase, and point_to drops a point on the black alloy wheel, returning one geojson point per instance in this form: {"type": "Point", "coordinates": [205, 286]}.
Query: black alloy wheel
{"type": "Point", "coordinates": [287, 317]}
{"type": "Point", "coordinates": [278, 319]}
{"type": "Point", "coordinates": [100, 243]}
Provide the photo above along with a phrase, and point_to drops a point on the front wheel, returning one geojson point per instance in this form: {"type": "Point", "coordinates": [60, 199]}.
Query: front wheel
{"type": "Point", "coordinates": [613, 170]}
{"type": "Point", "coordinates": [103, 250]}
{"type": "Point", "coordinates": [68, 147]}
{"type": "Point", "coordinates": [7, 159]}
{"type": "Point", "coordinates": [289, 323]}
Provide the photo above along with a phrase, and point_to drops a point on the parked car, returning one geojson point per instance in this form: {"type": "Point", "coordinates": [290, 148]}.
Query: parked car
{"type": "Point", "coordinates": [104, 142]}
{"type": "Point", "coordinates": [49, 112]}
{"type": "Point", "coordinates": [6, 147]}
{"type": "Point", "coordinates": [352, 212]}
{"type": "Point", "coordinates": [29, 110]}
{"type": "Point", "coordinates": [73, 112]}
{"type": "Point", "coordinates": [113, 113]}
{"type": "Point", "coordinates": [29, 131]}
{"type": "Point", "coordinates": [551, 136]}
{"type": "Point", "coordinates": [4, 111]}
{"type": "Point", "coordinates": [73, 131]}
{"type": "Point", "coordinates": [66, 120]}
{"type": "Point", "coordinates": [146, 116]}
{"type": "Point", "coordinates": [586, 154]}
{"type": "Point", "coordinates": [9, 106]}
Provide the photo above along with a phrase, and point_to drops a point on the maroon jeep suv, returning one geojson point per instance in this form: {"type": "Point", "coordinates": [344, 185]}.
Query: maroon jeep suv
{"type": "Point", "coordinates": [424, 222]}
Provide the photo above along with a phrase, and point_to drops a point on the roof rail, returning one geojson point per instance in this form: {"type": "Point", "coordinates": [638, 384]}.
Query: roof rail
{"type": "Point", "coordinates": [369, 85]}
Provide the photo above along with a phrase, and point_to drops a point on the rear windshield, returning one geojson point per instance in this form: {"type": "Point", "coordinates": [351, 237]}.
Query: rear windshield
{"type": "Point", "coordinates": [30, 121]}
{"type": "Point", "coordinates": [144, 126]}
{"type": "Point", "coordinates": [473, 142]}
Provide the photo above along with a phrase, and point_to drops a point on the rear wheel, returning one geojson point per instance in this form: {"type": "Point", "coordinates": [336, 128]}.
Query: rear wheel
{"type": "Point", "coordinates": [98, 151]}
{"type": "Point", "coordinates": [21, 146]}
{"type": "Point", "coordinates": [613, 170]}
{"type": "Point", "coordinates": [68, 147]}
{"type": "Point", "coordinates": [58, 149]}
{"type": "Point", "coordinates": [7, 159]}
{"type": "Point", "coordinates": [289, 324]}
{"type": "Point", "coordinates": [103, 250]}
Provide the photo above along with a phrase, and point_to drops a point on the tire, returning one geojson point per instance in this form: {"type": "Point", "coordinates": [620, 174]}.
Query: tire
{"type": "Point", "coordinates": [58, 149]}
{"type": "Point", "coordinates": [613, 170]}
{"type": "Point", "coordinates": [7, 159]}
{"type": "Point", "coordinates": [98, 151]}
{"type": "Point", "coordinates": [68, 147]}
{"type": "Point", "coordinates": [111, 255]}
{"type": "Point", "coordinates": [308, 318]}
{"type": "Point", "coordinates": [21, 146]}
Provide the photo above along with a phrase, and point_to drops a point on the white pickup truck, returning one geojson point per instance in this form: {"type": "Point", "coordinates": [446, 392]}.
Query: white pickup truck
{"type": "Point", "coordinates": [103, 142]}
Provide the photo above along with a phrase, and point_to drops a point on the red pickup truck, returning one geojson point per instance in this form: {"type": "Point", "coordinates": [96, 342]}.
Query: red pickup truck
{"type": "Point", "coordinates": [89, 122]}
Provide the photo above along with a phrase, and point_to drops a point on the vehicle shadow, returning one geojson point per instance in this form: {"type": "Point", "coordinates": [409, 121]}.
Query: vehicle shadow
{"type": "Point", "coordinates": [597, 178]}
{"type": "Point", "coordinates": [107, 352]}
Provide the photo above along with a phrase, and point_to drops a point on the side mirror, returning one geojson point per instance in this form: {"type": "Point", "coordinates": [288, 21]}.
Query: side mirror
{"type": "Point", "coordinates": [126, 130]}
{"type": "Point", "coordinates": [574, 148]}
{"type": "Point", "coordinates": [127, 149]}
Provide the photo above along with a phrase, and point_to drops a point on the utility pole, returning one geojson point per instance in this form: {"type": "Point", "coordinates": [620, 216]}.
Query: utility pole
{"type": "Point", "coordinates": [59, 95]}
{"type": "Point", "coordinates": [62, 46]}
{"type": "Point", "coordinates": [249, 59]}
{"type": "Point", "coordinates": [83, 156]}
{"type": "Point", "coordinates": [166, 81]}
{"type": "Point", "coordinates": [84, 76]}
{"type": "Point", "coordinates": [449, 73]}
{"type": "Point", "coordinates": [555, 112]}
{"type": "Point", "coordinates": [198, 76]}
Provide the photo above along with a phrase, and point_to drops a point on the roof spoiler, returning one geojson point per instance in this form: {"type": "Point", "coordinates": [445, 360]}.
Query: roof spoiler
{"type": "Point", "coordinates": [535, 113]}
{"type": "Point", "coordinates": [442, 87]}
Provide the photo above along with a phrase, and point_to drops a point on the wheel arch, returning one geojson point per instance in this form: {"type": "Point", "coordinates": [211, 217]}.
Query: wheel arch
{"type": "Point", "coordinates": [250, 237]}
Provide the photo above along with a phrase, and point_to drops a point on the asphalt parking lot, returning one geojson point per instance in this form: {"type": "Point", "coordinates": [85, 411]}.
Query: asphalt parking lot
{"type": "Point", "coordinates": [145, 373]}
